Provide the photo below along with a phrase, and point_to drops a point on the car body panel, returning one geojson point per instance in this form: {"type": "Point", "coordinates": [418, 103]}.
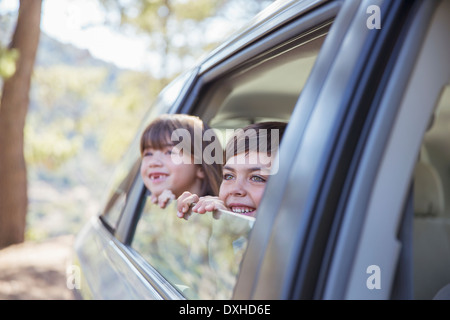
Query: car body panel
{"type": "Point", "coordinates": [106, 274]}
{"type": "Point", "coordinates": [415, 109]}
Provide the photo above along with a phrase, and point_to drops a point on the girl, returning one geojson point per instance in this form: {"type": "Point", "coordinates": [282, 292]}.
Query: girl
{"type": "Point", "coordinates": [245, 173]}
{"type": "Point", "coordinates": [167, 170]}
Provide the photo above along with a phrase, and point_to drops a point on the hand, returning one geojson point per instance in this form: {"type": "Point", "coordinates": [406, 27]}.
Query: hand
{"type": "Point", "coordinates": [184, 204]}
{"type": "Point", "coordinates": [208, 204]}
{"type": "Point", "coordinates": [163, 199]}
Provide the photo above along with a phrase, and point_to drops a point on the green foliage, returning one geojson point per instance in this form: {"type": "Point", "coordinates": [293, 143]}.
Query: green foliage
{"type": "Point", "coordinates": [84, 112]}
{"type": "Point", "coordinates": [176, 29]}
{"type": "Point", "coordinates": [152, 16]}
{"type": "Point", "coordinates": [78, 112]}
{"type": "Point", "coordinates": [8, 58]}
{"type": "Point", "coordinates": [52, 132]}
{"type": "Point", "coordinates": [67, 86]}
{"type": "Point", "coordinates": [113, 117]}
{"type": "Point", "coordinates": [197, 10]}
{"type": "Point", "coordinates": [50, 146]}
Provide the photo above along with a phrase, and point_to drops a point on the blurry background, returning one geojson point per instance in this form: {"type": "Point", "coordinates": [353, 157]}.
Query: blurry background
{"type": "Point", "coordinates": [99, 65]}
{"type": "Point", "coordinates": [76, 78]}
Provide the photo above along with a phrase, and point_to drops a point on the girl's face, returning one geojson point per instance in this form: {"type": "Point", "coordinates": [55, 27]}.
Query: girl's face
{"type": "Point", "coordinates": [244, 181]}
{"type": "Point", "coordinates": [160, 172]}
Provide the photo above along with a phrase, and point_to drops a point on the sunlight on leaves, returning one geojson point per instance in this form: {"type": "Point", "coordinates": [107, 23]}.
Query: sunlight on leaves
{"type": "Point", "coordinates": [8, 58]}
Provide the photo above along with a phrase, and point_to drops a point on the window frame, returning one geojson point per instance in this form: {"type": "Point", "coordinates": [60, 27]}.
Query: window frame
{"type": "Point", "coordinates": [319, 16]}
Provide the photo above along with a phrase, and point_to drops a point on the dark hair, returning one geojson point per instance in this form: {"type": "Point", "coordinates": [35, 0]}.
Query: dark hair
{"type": "Point", "coordinates": [259, 137]}
{"type": "Point", "coordinates": [158, 134]}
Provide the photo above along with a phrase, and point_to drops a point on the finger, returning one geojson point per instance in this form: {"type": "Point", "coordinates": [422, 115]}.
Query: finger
{"type": "Point", "coordinates": [164, 201]}
{"type": "Point", "coordinates": [167, 194]}
{"type": "Point", "coordinates": [210, 207]}
{"type": "Point", "coordinates": [183, 209]}
{"type": "Point", "coordinates": [184, 215]}
{"type": "Point", "coordinates": [182, 205]}
{"type": "Point", "coordinates": [191, 201]}
{"type": "Point", "coordinates": [200, 207]}
{"type": "Point", "coordinates": [184, 195]}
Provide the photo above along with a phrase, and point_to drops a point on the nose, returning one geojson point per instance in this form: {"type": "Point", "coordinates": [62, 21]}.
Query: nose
{"type": "Point", "coordinates": [238, 189]}
{"type": "Point", "coordinates": [155, 160]}
{"type": "Point", "coordinates": [154, 163]}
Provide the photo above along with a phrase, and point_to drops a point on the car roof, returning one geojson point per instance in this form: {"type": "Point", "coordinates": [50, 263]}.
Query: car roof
{"type": "Point", "coordinates": [268, 20]}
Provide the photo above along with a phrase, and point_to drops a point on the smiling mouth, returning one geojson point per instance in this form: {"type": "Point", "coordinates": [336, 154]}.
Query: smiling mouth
{"type": "Point", "coordinates": [158, 176]}
{"type": "Point", "coordinates": [243, 210]}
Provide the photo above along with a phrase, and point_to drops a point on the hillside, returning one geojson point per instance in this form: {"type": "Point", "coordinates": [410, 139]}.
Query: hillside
{"type": "Point", "coordinates": [53, 52]}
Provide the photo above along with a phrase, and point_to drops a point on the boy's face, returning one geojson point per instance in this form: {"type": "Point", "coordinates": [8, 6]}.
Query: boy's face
{"type": "Point", "coordinates": [244, 181]}
{"type": "Point", "coordinates": [159, 172]}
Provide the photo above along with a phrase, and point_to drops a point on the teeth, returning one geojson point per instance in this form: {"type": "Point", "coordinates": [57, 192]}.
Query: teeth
{"type": "Point", "coordinates": [241, 210]}
{"type": "Point", "coordinates": [155, 177]}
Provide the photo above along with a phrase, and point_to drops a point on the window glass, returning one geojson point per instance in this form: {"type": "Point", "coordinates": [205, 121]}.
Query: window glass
{"type": "Point", "coordinates": [265, 88]}
{"type": "Point", "coordinates": [432, 205]}
{"type": "Point", "coordinates": [123, 180]}
{"type": "Point", "coordinates": [201, 257]}
{"type": "Point", "coordinates": [127, 169]}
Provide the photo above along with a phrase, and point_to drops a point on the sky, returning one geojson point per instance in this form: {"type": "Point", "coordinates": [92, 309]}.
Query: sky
{"type": "Point", "coordinates": [80, 23]}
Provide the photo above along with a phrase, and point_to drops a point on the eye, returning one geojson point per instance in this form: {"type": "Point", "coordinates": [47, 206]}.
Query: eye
{"type": "Point", "coordinates": [228, 176]}
{"type": "Point", "coordinates": [168, 150]}
{"type": "Point", "coordinates": [148, 153]}
{"type": "Point", "coordinates": [257, 178]}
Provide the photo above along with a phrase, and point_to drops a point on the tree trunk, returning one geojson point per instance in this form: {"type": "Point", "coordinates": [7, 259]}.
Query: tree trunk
{"type": "Point", "coordinates": [13, 111]}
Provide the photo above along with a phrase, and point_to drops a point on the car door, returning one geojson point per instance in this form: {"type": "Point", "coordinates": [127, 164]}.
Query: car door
{"type": "Point", "coordinates": [405, 235]}
{"type": "Point", "coordinates": [340, 72]}
{"type": "Point", "coordinates": [338, 222]}
{"type": "Point", "coordinates": [258, 76]}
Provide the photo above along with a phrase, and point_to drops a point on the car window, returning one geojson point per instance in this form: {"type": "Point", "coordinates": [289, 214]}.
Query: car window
{"type": "Point", "coordinates": [126, 172]}
{"type": "Point", "coordinates": [201, 257]}
{"type": "Point", "coordinates": [123, 180]}
{"type": "Point", "coordinates": [266, 88]}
